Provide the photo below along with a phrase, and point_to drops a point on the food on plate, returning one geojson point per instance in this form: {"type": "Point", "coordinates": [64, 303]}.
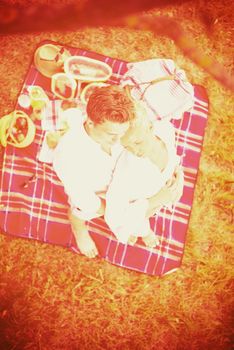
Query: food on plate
{"type": "Point", "coordinates": [87, 69]}
{"type": "Point", "coordinates": [63, 86]}
{"type": "Point", "coordinates": [17, 129]}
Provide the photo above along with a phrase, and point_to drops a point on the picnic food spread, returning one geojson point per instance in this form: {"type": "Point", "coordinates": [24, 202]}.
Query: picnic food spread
{"type": "Point", "coordinates": [67, 74]}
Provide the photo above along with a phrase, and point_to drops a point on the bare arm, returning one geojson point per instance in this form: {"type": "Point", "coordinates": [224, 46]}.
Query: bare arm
{"type": "Point", "coordinates": [102, 207]}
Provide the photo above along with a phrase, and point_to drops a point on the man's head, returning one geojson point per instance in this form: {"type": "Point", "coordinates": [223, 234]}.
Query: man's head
{"type": "Point", "coordinates": [139, 136]}
{"type": "Point", "coordinates": [109, 112]}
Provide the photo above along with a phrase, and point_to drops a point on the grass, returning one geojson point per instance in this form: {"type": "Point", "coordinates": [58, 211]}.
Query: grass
{"type": "Point", "coordinates": [53, 299]}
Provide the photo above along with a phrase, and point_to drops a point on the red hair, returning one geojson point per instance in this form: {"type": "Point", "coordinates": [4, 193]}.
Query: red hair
{"type": "Point", "coordinates": [110, 103]}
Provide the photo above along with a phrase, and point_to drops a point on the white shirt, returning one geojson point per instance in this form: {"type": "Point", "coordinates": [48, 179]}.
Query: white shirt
{"type": "Point", "coordinates": [83, 167]}
{"type": "Point", "coordinates": [134, 180]}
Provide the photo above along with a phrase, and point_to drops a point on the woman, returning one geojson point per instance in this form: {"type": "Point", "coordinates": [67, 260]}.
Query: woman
{"type": "Point", "coordinates": [145, 168]}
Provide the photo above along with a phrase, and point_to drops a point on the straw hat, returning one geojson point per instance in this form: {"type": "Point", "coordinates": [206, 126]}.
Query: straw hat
{"type": "Point", "coordinates": [49, 59]}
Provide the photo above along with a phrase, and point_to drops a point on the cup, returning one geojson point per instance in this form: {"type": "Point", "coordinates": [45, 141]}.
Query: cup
{"type": "Point", "coordinates": [38, 97]}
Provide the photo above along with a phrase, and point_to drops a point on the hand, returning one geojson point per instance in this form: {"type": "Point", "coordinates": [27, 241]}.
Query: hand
{"type": "Point", "coordinates": [53, 137]}
{"type": "Point", "coordinates": [169, 194]}
{"type": "Point", "coordinates": [176, 185]}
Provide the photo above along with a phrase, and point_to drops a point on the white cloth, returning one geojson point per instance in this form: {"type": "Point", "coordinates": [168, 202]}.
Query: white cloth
{"type": "Point", "coordinates": [54, 114]}
{"type": "Point", "coordinates": [134, 180]}
{"type": "Point", "coordinates": [83, 167]}
{"type": "Point", "coordinates": [165, 99]}
{"type": "Point", "coordinates": [52, 119]}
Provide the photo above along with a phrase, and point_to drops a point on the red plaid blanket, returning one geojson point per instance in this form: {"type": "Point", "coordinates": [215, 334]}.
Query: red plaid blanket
{"type": "Point", "coordinates": [33, 203]}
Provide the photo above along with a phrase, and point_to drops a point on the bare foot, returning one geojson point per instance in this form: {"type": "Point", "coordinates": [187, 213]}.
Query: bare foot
{"type": "Point", "coordinates": [150, 240]}
{"type": "Point", "coordinates": [84, 242]}
{"type": "Point", "coordinates": [132, 240]}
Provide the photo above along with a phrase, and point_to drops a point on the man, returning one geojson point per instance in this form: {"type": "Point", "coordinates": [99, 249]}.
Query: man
{"type": "Point", "coordinates": [85, 157]}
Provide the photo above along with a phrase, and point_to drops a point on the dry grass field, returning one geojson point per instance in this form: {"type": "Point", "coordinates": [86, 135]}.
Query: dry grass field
{"type": "Point", "coordinates": [52, 299]}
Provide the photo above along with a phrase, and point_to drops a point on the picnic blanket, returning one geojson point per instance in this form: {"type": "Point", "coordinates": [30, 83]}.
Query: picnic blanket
{"type": "Point", "coordinates": [33, 203]}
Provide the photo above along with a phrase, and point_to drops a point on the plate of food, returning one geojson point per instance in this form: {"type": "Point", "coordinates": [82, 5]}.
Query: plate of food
{"type": "Point", "coordinates": [87, 69]}
{"type": "Point", "coordinates": [63, 86]}
{"type": "Point", "coordinates": [17, 129]}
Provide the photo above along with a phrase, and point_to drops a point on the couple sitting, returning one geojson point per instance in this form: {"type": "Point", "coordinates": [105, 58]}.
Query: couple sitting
{"type": "Point", "coordinates": [114, 162]}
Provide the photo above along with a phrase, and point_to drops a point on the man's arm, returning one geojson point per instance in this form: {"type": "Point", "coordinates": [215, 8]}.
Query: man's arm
{"type": "Point", "coordinates": [170, 193]}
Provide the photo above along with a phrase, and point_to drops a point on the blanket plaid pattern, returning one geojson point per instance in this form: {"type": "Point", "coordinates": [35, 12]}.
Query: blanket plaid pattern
{"type": "Point", "coordinates": [33, 203]}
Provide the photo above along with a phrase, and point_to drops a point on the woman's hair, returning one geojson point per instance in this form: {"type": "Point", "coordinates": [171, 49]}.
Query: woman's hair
{"type": "Point", "coordinates": [140, 122]}
{"type": "Point", "coordinates": [110, 103]}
